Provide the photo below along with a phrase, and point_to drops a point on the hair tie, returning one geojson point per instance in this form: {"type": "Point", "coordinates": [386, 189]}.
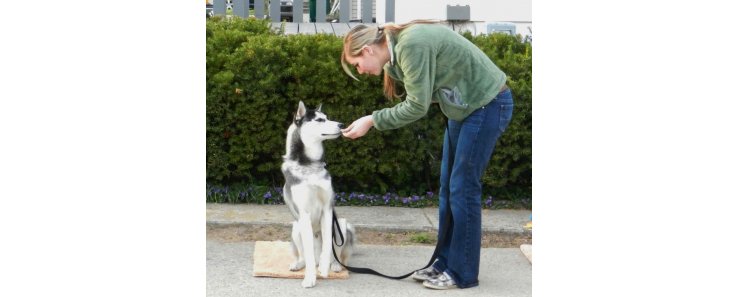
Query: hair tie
{"type": "Point", "coordinates": [380, 33]}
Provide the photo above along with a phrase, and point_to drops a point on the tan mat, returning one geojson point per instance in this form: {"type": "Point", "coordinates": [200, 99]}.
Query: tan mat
{"type": "Point", "coordinates": [272, 259]}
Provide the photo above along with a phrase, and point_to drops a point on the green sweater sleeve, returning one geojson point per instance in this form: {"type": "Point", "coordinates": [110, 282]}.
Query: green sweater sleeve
{"type": "Point", "coordinates": [418, 65]}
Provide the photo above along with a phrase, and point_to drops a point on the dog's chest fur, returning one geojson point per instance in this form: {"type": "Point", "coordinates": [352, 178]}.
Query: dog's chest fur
{"type": "Point", "coordinates": [296, 173]}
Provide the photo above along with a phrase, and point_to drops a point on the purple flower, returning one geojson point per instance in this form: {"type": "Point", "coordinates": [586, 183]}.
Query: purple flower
{"type": "Point", "coordinates": [430, 194]}
{"type": "Point", "coordinates": [415, 198]}
{"type": "Point", "coordinates": [489, 201]}
{"type": "Point", "coordinates": [267, 195]}
{"type": "Point", "coordinates": [405, 200]}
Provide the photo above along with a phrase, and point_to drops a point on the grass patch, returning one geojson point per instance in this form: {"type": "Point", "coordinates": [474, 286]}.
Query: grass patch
{"type": "Point", "coordinates": [424, 238]}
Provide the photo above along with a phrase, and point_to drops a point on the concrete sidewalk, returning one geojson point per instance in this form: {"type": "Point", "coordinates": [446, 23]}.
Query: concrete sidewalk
{"type": "Point", "coordinates": [374, 218]}
{"type": "Point", "coordinates": [503, 271]}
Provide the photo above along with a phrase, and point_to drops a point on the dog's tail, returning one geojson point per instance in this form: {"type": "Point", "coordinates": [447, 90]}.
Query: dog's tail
{"type": "Point", "coordinates": [350, 239]}
{"type": "Point", "coordinates": [348, 232]}
{"type": "Point", "coordinates": [351, 235]}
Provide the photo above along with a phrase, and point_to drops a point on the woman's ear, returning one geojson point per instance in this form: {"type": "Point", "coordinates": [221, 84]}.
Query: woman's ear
{"type": "Point", "coordinates": [367, 49]}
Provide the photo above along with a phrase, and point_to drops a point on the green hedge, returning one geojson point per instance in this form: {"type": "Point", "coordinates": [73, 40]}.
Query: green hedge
{"type": "Point", "coordinates": [256, 77]}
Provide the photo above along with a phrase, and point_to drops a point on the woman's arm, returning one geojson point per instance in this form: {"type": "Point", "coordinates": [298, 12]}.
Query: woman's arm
{"type": "Point", "coordinates": [418, 63]}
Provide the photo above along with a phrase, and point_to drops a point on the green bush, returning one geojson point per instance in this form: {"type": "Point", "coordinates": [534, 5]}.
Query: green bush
{"type": "Point", "coordinates": [512, 160]}
{"type": "Point", "coordinates": [255, 78]}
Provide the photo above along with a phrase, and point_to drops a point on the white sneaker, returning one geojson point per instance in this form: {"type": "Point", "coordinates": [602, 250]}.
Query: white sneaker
{"type": "Point", "coordinates": [425, 274]}
{"type": "Point", "coordinates": [441, 282]}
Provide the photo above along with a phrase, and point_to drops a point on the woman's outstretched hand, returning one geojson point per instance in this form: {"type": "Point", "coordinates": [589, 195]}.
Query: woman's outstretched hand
{"type": "Point", "coordinates": [359, 127]}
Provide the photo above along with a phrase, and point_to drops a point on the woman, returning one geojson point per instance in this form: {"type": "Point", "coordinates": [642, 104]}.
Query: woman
{"type": "Point", "coordinates": [438, 65]}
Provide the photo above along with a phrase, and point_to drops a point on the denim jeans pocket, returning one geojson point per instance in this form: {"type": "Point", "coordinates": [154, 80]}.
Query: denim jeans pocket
{"type": "Point", "coordinates": [505, 113]}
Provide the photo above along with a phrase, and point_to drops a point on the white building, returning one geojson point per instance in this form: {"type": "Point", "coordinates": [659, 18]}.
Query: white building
{"type": "Point", "coordinates": [484, 14]}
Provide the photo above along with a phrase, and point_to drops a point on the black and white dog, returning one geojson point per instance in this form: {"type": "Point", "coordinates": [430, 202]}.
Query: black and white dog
{"type": "Point", "coordinates": [310, 197]}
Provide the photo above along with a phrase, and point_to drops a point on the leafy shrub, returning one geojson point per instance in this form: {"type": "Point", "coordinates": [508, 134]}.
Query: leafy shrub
{"type": "Point", "coordinates": [255, 78]}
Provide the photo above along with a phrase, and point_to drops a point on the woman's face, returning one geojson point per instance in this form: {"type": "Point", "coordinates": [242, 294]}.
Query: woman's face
{"type": "Point", "coordinates": [368, 62]}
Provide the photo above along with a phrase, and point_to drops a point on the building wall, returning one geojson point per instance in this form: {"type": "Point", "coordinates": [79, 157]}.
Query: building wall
{"type": "Point", "coordinates": [356, 14]}
{"type": "Point", "coordinates": [482, 12]}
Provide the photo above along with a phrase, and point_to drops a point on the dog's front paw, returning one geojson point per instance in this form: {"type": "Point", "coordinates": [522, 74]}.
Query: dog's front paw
{"type": "Point", "coordinates": [324, 273]}
{"type": "Point", "coordinates": [336, 267]}
{"type": "Point", "coordinates": [324, 270]}
{"type": "Point", "coordinates": [309, 282]}
{"type": "Point", "coordinates": [324, 261]}
{"type": "Point", "coordinates": [297, 265]}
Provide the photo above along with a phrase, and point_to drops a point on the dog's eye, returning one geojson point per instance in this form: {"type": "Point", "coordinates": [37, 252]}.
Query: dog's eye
{"type": "Point", "coordinates": [320, 120]}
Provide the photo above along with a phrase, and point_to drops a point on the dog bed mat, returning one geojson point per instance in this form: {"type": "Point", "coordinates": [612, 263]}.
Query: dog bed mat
{"type": "Point", "coordinates": [272, 259]}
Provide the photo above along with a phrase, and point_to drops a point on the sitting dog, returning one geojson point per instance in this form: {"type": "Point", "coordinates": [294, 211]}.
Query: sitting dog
{"type": "Point", "coordinates": [310, 197]}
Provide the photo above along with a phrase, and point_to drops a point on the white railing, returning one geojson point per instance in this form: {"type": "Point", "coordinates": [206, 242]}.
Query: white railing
{"type": "Point", "coordinates": [342, 16]}
{"type": "Point", "coordinates": [292, 11]}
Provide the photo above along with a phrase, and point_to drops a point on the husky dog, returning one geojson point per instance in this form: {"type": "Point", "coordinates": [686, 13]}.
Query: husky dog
{"type": "Point", "coordinates": [310, 197]}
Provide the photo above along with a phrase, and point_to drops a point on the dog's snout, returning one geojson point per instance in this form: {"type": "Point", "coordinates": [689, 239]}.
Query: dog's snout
{"type": "Point", "coordinates": [341, 126]}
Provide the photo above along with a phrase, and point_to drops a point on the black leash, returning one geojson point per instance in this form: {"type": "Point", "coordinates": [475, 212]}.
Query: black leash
{"type": "Point", "coordinates": [448, 219]}
{"type": "Point", "coordinates": [445, 234]}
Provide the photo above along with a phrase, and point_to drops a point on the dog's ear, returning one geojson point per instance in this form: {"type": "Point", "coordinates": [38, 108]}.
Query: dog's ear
{"type": "Point", "coordinates": [319, 109]}
{"type": "Point", "coordinates": [301, 112]}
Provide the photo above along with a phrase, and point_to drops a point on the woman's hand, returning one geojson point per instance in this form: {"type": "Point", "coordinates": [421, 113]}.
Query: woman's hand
{"type": "Point", "coordinates": [359, 127]}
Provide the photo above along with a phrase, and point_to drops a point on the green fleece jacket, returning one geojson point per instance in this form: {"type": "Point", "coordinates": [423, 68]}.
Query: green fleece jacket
{"type": "Point", "coordinates": [437, 65]}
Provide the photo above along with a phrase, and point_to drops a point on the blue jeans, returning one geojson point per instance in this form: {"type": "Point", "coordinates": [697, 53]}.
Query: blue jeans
{"type": "Point", "coordinates": [470, 143]}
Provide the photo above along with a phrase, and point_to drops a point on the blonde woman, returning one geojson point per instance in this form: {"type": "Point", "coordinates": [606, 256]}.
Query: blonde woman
{"type": "Point", "coordinates": [437, 65]}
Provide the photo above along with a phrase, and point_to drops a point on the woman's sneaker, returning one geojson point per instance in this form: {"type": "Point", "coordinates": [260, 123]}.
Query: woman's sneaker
{"type": "Point", "coordinates": [441, 282]}
{"type": "Point", "coordinates": [425, 274]}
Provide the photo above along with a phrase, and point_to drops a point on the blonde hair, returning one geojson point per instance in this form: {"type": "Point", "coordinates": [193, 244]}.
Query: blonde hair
{"type": "Point", "coordinates": [362, 35]}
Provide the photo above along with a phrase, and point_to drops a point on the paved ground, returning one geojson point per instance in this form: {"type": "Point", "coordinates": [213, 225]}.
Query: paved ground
{"type": "Point", "coordinates": [504, 271]}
